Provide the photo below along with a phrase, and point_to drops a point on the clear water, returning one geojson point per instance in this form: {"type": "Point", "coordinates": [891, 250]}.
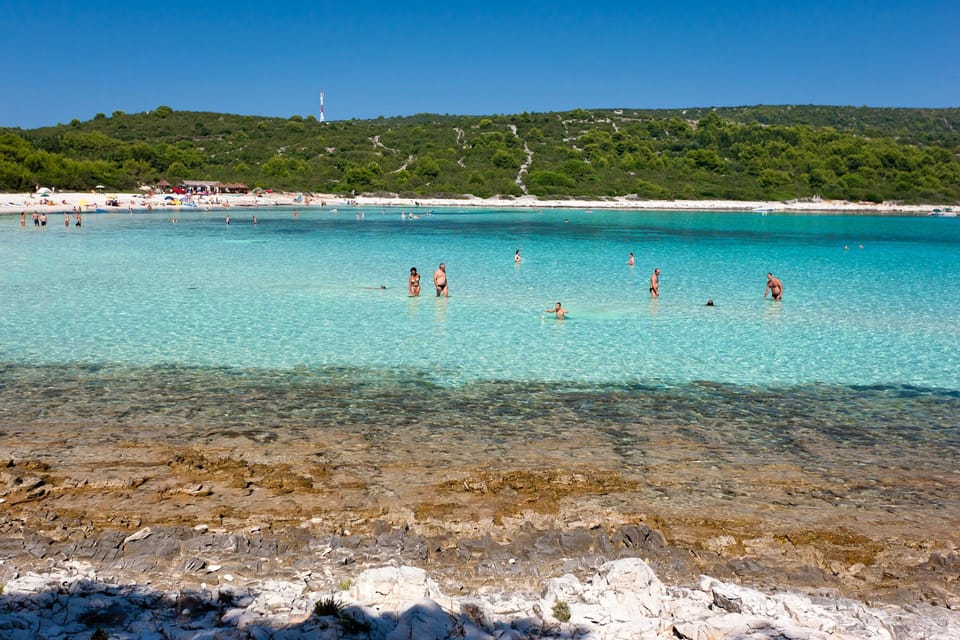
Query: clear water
{"type": "Point", "coordinates": [135, 329]}
{"type": "Point", "coordinates": [293, 293]}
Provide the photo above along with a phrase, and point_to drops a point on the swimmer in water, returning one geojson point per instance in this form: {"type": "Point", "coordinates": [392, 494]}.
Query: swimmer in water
{"type": "Point", "coordinates": [558, 310]}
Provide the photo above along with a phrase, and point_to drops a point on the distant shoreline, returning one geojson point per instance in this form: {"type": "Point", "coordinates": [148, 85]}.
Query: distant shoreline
{"type": "Point", "coordinates": [59, 202]}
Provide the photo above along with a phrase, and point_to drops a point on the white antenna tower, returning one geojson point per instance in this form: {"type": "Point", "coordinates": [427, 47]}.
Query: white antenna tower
{"type": "Point", "coordinates": [321, 106]}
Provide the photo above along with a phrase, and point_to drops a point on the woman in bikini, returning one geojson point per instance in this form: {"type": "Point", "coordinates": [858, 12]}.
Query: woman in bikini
{"type": "Point", "coordinates": [414, 282]}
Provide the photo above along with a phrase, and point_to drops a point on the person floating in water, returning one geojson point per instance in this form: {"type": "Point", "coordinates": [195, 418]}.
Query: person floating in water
{"type": "Point", "coordinates": [655, 283]}
{"type": "Point", "coordinates": [774, 287]}
{"type": "Point", "coordinates": [440, 281]}
{"type": "Point", "coordinates": [414, 282]}
{"type": "Point", "coordinates": [558, 310]}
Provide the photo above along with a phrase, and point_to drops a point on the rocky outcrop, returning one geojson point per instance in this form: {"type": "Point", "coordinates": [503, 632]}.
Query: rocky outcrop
{"type": "Point", "coordinates": [622, 600]}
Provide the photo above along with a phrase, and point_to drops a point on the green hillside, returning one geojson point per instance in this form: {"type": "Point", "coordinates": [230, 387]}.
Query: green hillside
{"type": "Point", "coordinates": [739, 153]}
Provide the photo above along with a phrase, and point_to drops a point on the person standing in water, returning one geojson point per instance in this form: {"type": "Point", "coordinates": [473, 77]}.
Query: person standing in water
{"type": "Point", "coordinates": [516, 257]}
{"type": "Point", "coordinates": [440, 281]}
{"type": "Point", "coordinates": [774, 287]}
{"type": "Point", "coordinates": [631, 261]}
{"type": "Point", "coordinates": [413, 283]}
{"type": "Point", "coordinates": [655, 283]}
{"type": "Point", "coordinates": [559, 310]}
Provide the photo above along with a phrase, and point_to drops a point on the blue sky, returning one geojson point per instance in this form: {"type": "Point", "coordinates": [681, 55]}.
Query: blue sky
{"type": "Point", "coordinates": [65, 60]}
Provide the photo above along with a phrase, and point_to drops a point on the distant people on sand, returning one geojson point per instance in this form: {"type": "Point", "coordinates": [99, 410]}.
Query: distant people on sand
{"type": "Point", "coordinates": [774, 287]}
{"type": "Point", "coordinates": [440, 281]}
{"type": "Point", "coordinates": [558, 310]}
{"type": "Point", "coordinates": [655, 283]}
{"type": "Point", "coordinates": [631, 261]}
{"type": "Point", "coordinates": [413, 283]}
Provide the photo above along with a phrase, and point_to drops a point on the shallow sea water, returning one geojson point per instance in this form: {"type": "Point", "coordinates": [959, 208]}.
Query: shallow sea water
{"type": "Point", "coordinates": [198, 330]}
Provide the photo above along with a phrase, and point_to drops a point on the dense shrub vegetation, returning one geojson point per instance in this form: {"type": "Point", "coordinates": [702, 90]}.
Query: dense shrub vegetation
{"type": "Point", "coordinates": [744, 153]}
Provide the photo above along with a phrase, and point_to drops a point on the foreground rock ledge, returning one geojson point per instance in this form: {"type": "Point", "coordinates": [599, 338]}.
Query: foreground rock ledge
{"type": "Point", "coordinates": [624, 599]}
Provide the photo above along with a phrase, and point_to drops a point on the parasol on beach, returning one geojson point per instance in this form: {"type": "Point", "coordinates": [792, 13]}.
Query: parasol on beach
{"type": "Point", "coordinates": [100, 186]}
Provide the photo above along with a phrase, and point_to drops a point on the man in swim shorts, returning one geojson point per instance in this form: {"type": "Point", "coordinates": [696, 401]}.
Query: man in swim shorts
{"type": "Point", "coordinates": [440, 281]}
{"type": "Point", "coordinates": [774, 287]}
{"type": "Point", "coordinates": [655, 283]}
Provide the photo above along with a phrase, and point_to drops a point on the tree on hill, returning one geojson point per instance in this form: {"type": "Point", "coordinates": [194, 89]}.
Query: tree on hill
{"type": "Point", "coordinates": [748, 153]}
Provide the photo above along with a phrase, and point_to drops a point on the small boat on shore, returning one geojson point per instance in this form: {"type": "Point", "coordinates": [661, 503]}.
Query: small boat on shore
{"type": "Point", "coordinates": [943, 213]}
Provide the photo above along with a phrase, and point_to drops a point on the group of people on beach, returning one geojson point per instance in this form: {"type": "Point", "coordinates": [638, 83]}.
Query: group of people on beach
{"type": "Point", "coordinates": [774, 285]}
{"type": "Point", "coordinates": [40, 220]}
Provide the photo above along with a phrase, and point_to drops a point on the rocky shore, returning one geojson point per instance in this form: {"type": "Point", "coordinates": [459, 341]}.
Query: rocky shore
{"type": "Point", "coordinates": [146, 496]}
{"type": "Point", "coordinates": [137, 563]}
{"type": "Point", "coordinates": [621, 600]}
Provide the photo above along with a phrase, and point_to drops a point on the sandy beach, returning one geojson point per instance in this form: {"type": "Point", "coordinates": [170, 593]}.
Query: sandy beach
{"type": "Point", "coordinates": [90, 202]}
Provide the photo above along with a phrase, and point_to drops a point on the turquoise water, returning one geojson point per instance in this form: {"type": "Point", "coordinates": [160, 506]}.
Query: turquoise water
{"type": "Point", "coordinates": [192, 334]}
{"type": "Point", "coordinates": [293, 293]}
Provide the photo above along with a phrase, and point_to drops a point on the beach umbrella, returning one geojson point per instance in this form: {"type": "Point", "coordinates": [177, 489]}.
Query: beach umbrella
{"type": "Point", "coordinates": [100, 186]}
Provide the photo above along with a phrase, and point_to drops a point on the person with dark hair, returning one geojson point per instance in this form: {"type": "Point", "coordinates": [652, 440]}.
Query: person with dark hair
{"type": "Point", "coordinates": [558, 310]}
{"type": "Point", "coordinates": [774, 287]}
{"type": "Point", "coordinates": [413, 283]}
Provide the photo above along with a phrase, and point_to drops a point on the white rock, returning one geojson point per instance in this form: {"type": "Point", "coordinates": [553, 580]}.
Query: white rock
{"type": "Point", "coordinates": [139, 535]}
{"type": "Point", "coordinates": [423, 620]}
{"type": "Point", "coordinates": [566, 588]}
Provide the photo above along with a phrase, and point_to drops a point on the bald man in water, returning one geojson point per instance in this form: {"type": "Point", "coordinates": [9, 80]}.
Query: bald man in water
{"type": "Point", "coordinates": [440, 281]}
